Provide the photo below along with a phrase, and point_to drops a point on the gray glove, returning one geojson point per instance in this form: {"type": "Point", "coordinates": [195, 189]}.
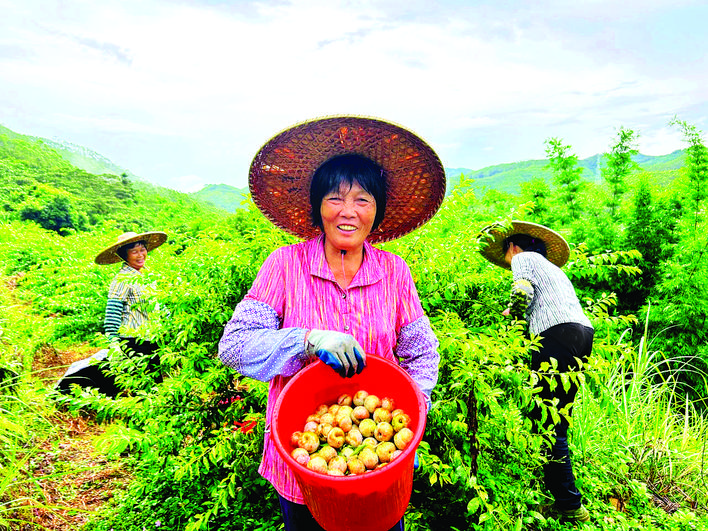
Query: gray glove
{"type": "Point", "coordinates": [338, 350]}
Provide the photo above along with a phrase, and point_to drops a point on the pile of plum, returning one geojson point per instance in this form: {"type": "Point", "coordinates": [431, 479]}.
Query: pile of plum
{"type": "Point", "coordinates": [357, 434]}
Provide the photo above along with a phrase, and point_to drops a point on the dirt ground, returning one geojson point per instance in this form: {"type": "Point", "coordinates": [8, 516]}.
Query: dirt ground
{"type": "Point", "coordinates": [71, 480]}
{"type": "Point", "coordinates": [64, 480]}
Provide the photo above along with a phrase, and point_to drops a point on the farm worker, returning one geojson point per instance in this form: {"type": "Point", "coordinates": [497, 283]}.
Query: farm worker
{"type": "Point", "coordinates": [341, 183]}
{"type": "Point", "coordinates": [126, 315]}
{"type": "Point", "coordinates": [543, 295]}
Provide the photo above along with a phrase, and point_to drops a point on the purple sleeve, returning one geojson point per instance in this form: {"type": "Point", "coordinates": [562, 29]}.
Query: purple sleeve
{"type": "Point", "coordinates": [254, 344]}
{"type": "Point", "coordinates": [417, 350]}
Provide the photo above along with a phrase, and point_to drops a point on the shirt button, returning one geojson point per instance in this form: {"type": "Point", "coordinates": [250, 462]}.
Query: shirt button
{"type": "Point", "coordinates": [346, 327]}
{"type": "Point", "coordinates": [344, 295]}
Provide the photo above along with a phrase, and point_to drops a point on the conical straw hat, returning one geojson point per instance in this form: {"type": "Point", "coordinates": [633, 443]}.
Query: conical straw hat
{"type": "Point", "coordinates": [282, 170]}
{"type": "Point", "coordinates": [152, 240]}
{"type": "Point", "coordinates": [491, 240]}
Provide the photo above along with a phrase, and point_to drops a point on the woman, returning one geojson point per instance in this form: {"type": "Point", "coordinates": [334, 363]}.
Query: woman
{"type": "Point", "coordinates": [340, 183]}
{"type": "Point", "coordinates": [128, 295]}
{"type": "Point", "coordinates": [544, 296]}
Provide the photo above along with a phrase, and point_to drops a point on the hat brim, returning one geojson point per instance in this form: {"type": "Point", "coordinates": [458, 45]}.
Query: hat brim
{"type": "Point", "coordinates": [152, 239]}
{"type": "Point", "coordinates": [282, 170]}
{"type": "Point", "coordinates": [491, 241]}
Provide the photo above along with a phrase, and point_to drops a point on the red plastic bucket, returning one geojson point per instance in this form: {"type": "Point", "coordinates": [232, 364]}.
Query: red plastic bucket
{"type": "Point", "coordinates": [374, 501]}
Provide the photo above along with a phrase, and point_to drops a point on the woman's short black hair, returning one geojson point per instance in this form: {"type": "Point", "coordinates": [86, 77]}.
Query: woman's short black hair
{"type": "Point", "coordinates": [123, 250]}
{"type": "Point", "coordinates": [347, 169]}
{"type": "Point", "coordinates": [526, 242]}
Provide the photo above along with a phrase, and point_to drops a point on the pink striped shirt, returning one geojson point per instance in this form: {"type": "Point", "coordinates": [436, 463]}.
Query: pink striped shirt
{"type": "Point", "coordinates": [295, 291]}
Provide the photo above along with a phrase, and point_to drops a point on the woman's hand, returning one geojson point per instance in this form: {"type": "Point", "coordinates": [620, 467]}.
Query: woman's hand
{"type": "Point", "coordinates": [338, 350]}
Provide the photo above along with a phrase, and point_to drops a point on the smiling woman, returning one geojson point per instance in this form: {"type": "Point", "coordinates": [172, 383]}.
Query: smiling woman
{"type": "Point", "coordinates": [341, 183]}
{"type": "Point", "coordinates": [128, 294]}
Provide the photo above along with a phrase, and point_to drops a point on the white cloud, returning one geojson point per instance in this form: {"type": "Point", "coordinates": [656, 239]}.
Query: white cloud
{"type": "Point", "coordinates": [194, 89]}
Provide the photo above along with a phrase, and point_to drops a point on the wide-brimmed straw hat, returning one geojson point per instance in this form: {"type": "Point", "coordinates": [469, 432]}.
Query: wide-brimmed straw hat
{"type": "Point", "coordinates": [152, 240]}
{"type": "Point", "coordinates": [282, 170]}
{"type": "Point", "coordinates": [491, 241]}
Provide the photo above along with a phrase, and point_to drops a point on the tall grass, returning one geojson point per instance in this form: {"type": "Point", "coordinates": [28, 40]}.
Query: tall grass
{"type": "Point", "coordinates": [646, 428]}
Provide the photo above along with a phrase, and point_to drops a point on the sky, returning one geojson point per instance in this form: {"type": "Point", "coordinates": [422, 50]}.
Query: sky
{"type": "Point", "coordinates": [183, 93]}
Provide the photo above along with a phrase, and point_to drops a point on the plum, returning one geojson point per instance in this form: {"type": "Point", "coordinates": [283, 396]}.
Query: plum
{"type": "Point", "coordinates": [317, 464]}
{"type": "Point", "coordinates": [359, 413]}
{"type": "Point", "coordinates": [354, 437]}
{"type": "Point", "coordinates": [385, 450]}
{"type": "Point", "coordinates": [338, 463]}
{"type": "Point", "coordinates": [367, 427]}
{"type": "Point", "coordinates": [327, 453]}
{"type": "Point", "coordinates": [369, 458]}
{"type": "Point", "coordinates": [327, 418]}
{"type": "Point", "coordinates": [295, 438]}
{"type": "Point", "coordinates": [309, 441]}
{"type": "Point", "coordinates": [370, 441]}
{"type": "Point", "coordinates": [387, 403]}
{"type": "Point", "coordinates": [322, 431]}
{"type": "Point", "coordinates": [403, 438]}
{"type": "Point", "coordinates": [311, 426]}
{"type": "Point", "coordinates": [344, 422]}
{"type": "Point", "coordinates": [356, 466]}
{"type": "Point", "coordinates": [400, 421]}
{"type": "Point", "coordinates": [383, 431]}
{"type": "Point", "coordinates": [381, 414]}
{"type": "Point", "coordinates": [336, 437]}
{"type": "Point", "coordinates": [371, 402]}
{"type": "Point", "coordinates": [344, 399]}
{"type": "Point", "coordinates": [300, 455]}
{"type": "Point", "coordinates": [359, 396]}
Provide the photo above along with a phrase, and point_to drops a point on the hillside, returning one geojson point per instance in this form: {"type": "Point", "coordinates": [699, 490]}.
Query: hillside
{"type": "Point", "coordinates": [116, 182]}
{"type": "Point", "coordinates": [223, 196]}
{"type": "Point", "coordinates": [38, 183]}
{"type": "Point", "coordinates": [508, 177]}
{"type": "Point", "coordinates": [79, 156]}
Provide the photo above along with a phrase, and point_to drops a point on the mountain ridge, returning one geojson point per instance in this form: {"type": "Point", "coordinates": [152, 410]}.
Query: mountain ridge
{"type": "Point", "coordinates": [503, 177]}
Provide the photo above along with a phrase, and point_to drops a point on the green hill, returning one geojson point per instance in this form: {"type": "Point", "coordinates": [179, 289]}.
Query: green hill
{"type": "Point", "coordinates": [78, 156]}
{"type": "Point", "coordinates": [223, 196]}
{"type": "Point", "coordinates": [508, 177]}
{"type": "Point", "coordinates": [36, 171]}
{"type": "Point", "coordinates": [38, 183]}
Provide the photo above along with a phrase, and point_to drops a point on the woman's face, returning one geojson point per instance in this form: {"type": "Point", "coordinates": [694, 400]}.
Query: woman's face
{"type": "Point", "coordinates": [136, 256]}
{"type": "Point", "coordinates": [347, 217]}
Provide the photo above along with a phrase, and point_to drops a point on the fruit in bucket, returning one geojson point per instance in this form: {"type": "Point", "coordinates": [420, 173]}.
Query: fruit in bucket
{"type": "Point", "coordinates": [359, 413]}
{"type": "Point", "coordinates": [383, 432]}
{"type": "Point", "coordinates": [369, 458]}
{"type": "Point", "coordinates": [300, 455]}
{"type": "Point", "coordinates": [359, 396]}
{"type": "Point", "coordinates": [367, 427]}
{"type": "Point", "coordinates": [381, 415]}
{"type": "Point", "coordinates": [371, 500]}
{"type": "Point", "coordinates": [317, 464]}
{"type": "Point", "coordinates": [336, 437]}
{"type": "Point", "coordinates": [403, 438]}
{"type": "Point", "coordinates": [354, 437]}
{"type": "Point", "coordinates": [400, 421]}
{"type": "Point", "coordinates": [371, 402]}
{"type": "Point", "coordinates": [309, 441]}
{"type": "Point", "coordinates": [384, 451]}
{"type": "Point", "coordinates": [344, 400]}
{"type": "Point", "coordinates": [332, 443]}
